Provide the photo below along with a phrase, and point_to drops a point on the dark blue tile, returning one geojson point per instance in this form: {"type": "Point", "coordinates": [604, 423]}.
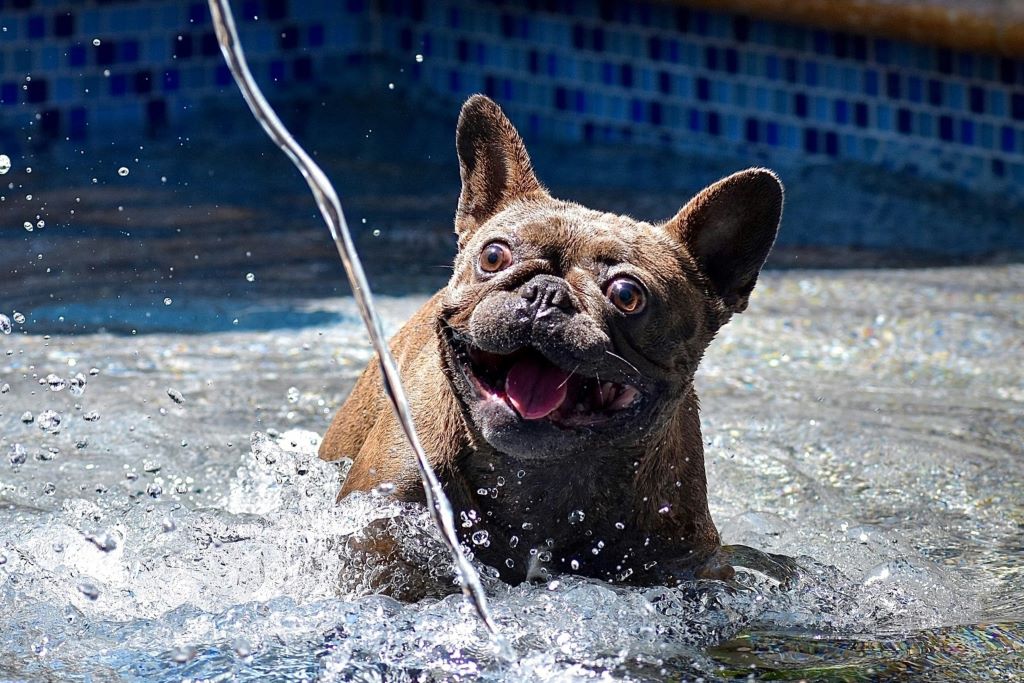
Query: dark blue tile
{"type": "Point", "coordinates": [288, 38]}
{"type": "Point", "coordinates": [883, 50]}
{"type": "Point", "coordinates": [904, 121]}
{"type": "Point", "coordinates": [208, 45]}
{"type": "Point", "coordinates": [198, 13]}
{"type": "Point", "coordinates": [732, 60]}
{"type": "Point", "coordinates": [36, 27]}
{"type": "Point", "coordinates": [860, 114]}
{"type": "Point", "coordinates": [405, 39]}
{"type": "Point", "coordinates": [1007, 140]}
{"type": "Point", "coordinates": [302, 69]}
{"type": "Point", "coordinates": [750, 132]}
{"type": "Point", "coordinates": [654, 47]}
{"type": "Point", "coordinates": [935, 92]}
{"type": "Point", "coordinates": [946, 128]}
{"type": "Point", "coordinates": [892, 85]}
{"type": "Point", "coordinates": [771, 133]}
{"type": "Point", "coordinates": [250, 10]}
{"type": "Point", "coordinates": [552, 65]}
{"type": "Point", "coordinates": [222, 75]}
{"type": "Point", "coordinates": [664, 83]}
{"type": "Point", "coordinates": [454, 81]}
{"type": "Point", "coordinates": [800, 105]}
{"type": "Point", "coordinates": [711, 57]}
{"type": "Point", "coordinates": [142, 82]}
{"type": "Point", "coordinates": [741, 28]}
{"type": "Point", "coordinates": [655, 113]}
{"type": "Point", "coordinates": [966, 131]}
{"type": "Point", "coordinates": [76, 55]}
{"type": "Point", "coordinates": [1008, 71]}
{"type": "Point", "coordinates": [171, 80]}
{"type": "Point", "coordinates": [8, 93]}
{"type": "Point", "coordinates": [118, 85]}
{"type": "Point", "coordinates": [315, 37]}
{"type": "Point", "coordinates": [38, 91]}
{"type": "Point", "coordinates": [579, 39]}
{"type": "Point", "coordinates": [156, 115]}
{"type": "Point", "coordinates": [771, 67]}
{"type": "Point", "coordinates": [714, 123]}
{"type": "Point", "coordinates": [831, 144]}
{"type": "Point", "coordinates": [841, 112]}
{"type": "Point", "coordinates": [965, 64]}
{"type": "Point", "coordinates": [915, 89]}
{"type": "Point", "coordinates": [626, 75]}
{"type": "Point", "coordinates": [636, 111]}
{"type": "Point", "coordinates": [276, 10]}
{"type": "Point", "coordinates": [700, 22]}
{"type": "Point", "coordinates": [811, 141]}
{"type": "Point", "coordinates": [78, 122]}
{"type": "Point", "coordinates": [822, 42]}
{"type": "Point", "coordinates": [977, 99]}
{"type": "Point", "coordinates": [607, 73]}
{"type": "Point", "coordinates": [277, 73]}
{"type": "Point", "coordinates": [859, 48]}
{"type": "Point", "coordinates": [703, 89]}
{"type": "Point", "coordinates": [49, 123]}
{"type": "Point", "coordinates": [1017, 106]}
{"type": "Point", "coordinates": [533, 61]}
{"type": "Point", "coordinates": [462, 50]}
{"type": "Point", "coordinates": [106, 53]}
{"type": "Point", "coordinates": [871, 83]}
{"type": "Point", "coordinates": [561, 98]}
{"type": "Point", "coordinates": [682, 19]}
{"type": "Point", "coordinates": [597, 39]}
{"type": "Point", "coordinates": [579, 101]}
{"type": "Point", "coordinates": [998, 168]}
{"type": "Point", "coordinates": [790, 67]}
{"type": "Point", "coordinates": [811, 74]}
{"type": "Point", "coordinates": [841, 45]}
{"type": "Point", "coordinates": [693, 118]}
{"type": "Point", "coordinates": [490, 86]}
{"type": "Point", "coordinates": [945, 61]}
{"type": "Point", "coordinates": [64, 25]}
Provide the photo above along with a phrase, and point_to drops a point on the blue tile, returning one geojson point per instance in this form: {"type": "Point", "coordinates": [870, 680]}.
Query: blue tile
{"type": "Point", "coordinates": [966, 132]}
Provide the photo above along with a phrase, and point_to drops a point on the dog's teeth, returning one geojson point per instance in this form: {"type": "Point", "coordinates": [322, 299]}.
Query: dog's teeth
{"type": "Point", "coordinates": [608, 391]}
{"type": "Point", "coordinates": [626, 397]}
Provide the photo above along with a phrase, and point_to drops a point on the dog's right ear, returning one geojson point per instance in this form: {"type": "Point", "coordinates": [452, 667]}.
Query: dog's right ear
{"type": "Point", "coordinates": [493, 163]}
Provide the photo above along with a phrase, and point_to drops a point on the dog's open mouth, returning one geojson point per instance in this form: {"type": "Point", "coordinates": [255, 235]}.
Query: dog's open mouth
{"type": "Point", "coordinates": [538, 389]}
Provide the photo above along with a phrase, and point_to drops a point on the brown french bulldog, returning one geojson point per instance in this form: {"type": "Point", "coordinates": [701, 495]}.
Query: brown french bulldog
{"type": "Point", "coordinates": [551, 381]}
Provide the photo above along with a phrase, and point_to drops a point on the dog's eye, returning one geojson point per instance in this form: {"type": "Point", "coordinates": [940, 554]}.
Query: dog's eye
{"type": "Point", "coordinates": [495, 256]}
{"type": "Point", "coordinates": [626, 294]}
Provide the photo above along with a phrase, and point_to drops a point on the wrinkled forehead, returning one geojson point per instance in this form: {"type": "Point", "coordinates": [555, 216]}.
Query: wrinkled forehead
{"type": "Point", "coordinates": [577, 233]}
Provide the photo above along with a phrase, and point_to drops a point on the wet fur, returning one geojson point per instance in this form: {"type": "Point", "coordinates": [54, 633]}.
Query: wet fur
{"type": "Point", "coordinates": [643, 491]}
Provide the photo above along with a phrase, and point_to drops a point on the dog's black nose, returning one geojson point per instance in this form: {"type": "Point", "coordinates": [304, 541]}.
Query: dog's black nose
{"type": "Point", "coordinates": [547, 292]}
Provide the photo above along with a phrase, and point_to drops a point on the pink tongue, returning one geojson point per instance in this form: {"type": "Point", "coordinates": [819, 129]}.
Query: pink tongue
{"type": "Point", "coordinates": [535, 387]}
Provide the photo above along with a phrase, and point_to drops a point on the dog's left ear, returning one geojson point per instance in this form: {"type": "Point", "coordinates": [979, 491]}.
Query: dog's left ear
{"type": "Point", "coordinates": [493, 163]}
{"type": "Point", "coordinates": [728, 229]}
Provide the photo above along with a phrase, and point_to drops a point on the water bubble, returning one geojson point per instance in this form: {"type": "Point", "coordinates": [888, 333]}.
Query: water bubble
{"type": "Point", "coordinates": [49, 488]}
{"type": "Point", "coordinates": [175, 396]}
{"type": "Point", "coordinates": [16, 454]}
{"type": "Point", "coordinates": [664, 509]}
{"type": "Point", "coordinates": [28, 226]}
{"type": "Point", "coordinates": [293, 395]}
{"type": "Point", "coordinates": [250, 277]}
{"type": "Point", "coordinates": [481, 538]}
{"type": "Point", "coordinates": [419, 59]}
{"type": "Point", "coordinates": [76, 385]}
{"type": "Point", "coordinates": [5, 324]}
{"type": "Point", "coordinates": [96, 42]}
{"type": "Point", "coordinates": [168, 301]}
{"type": "Point", "coordinates": [56, 382]}
{"type": "Point", "coordinates": [168, 525]}
{"type": "Point", "coordinates": [27, 417]}
{"type": "Point", "coordinates": [91, 416]}
{"type": "Point", "coordinates": [5, 164]}
{"type": "Point", "coordinates": [154, 490]}
{"type": "Point", "coordinates": [19, 318]}
{"type": "Point", "coordinates": [576, 516]}
{"type": "Point", "coordinates": [41, 224]}
{"type": "Point", "coordinates": [384, 489]}
{"type": "Point", "coordinates": [94, 371]}
{"type": "Point", "coordinates": [123, 171]}
{"type": "Point", "coordinates": [151, 467]}
{"type": "Point", "coordinates": [5, 388]}
{"type": "Point", "coordinates": [49, 420]}
{"type": "Point", "coordinates": [241, 647]}
{"type": "Point", "coordinates": [3, 560]}
{"type": "Point", "coordinates": [89, 590]}
{"type": "Point", "coordinates": [620, 526]}
{"type": "Point", "coordinates": [574, 565]}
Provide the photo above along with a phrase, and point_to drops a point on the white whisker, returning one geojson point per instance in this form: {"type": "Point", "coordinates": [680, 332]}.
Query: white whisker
{"type": "Point", "coordinates": [615, 355]}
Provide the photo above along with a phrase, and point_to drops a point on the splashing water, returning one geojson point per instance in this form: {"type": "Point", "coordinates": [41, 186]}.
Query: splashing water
{"type": "Point", "coordinates": [330, 208]}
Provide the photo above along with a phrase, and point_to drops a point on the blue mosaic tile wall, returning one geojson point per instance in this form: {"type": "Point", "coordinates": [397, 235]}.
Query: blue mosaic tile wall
{"type": "Point", "coordinates": [585, 70]}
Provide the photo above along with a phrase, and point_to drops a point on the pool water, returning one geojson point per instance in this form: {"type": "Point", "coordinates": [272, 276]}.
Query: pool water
{"type": "Point", "coordinates": [175, 523]}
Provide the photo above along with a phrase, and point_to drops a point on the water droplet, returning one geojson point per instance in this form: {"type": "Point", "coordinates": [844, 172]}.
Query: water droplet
{"type": "Point", "coordinates": [3, 560]}
{"type": "Point", "coordinates": [91, 416]}
{"type": "Point", "coordinates": [168, 301]}
{"type": "Point", "coordinates": [481, 538]}
{"type": "Point", "coordinates": [5, 324]}
{"type": "Point", "coordinates": [175, 396]}
{"type": "Point", "coordinates": [5, 164]}
{"type": "Point", "coordinates": [76, 385]}
{"type": "Point", "coordinates": [102, 540]}
{"type": "Point", "coordinates": [241, 647]}
{"type": "Point", "coordinates": [151, 467]}
{"type": "Point", "coordinates": [19, 318]}
{"type": "Point", "coordinates": [574, 565]}
{"type": "Point", "coordinates": [40, 225]}
{"type": "Point", "coordinates": [123, 171]}
{"type": "Point", "coordinates": [553, 585]}
{"type": "Point", "coordinates": [293, 395]}
{"type": "Point", "coordinates": [5, 388]}
{"type": "Point", "coordinates": [27, 417]}
{"type": "Point", "coordinates": [28, 226]}
{"type": "Point", "coordinates": [384, 489]}
{"type": "Point", "coordinates": [510, 563]}
{"type": "Point", "coordinates": [576, 516]}
{"type": "Point", "coordinates": [250, 277]}
{"type": "Point", "coordinates": [96, 42]}
{"type": "Point", "coordinates": [183, 654]}
{"type": "Point", "coordinates": [620, 526]}
{"type": "Point", "coordinates": [376, 233]}
{"type": "Point", "coordinates": [49, 488]}
{"type": "Point", "coordinates": [154, 490]}
{"type": "Point", "coordinates": [419, 59]}
{"type": "Point", "coordinates": [56, 382]}
{"type": "Point", "coordinates": [89, 590]}
{"type": "Point", "coordinates": [664, 509]}
{"type": "Point", "coordinates": [168, 525]}
{"type": "Point", "coordinates": [49, 420]}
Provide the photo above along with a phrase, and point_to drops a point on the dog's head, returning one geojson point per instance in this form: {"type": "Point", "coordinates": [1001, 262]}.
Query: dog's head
{"type": "Point", "coordinates": [566, 330]}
